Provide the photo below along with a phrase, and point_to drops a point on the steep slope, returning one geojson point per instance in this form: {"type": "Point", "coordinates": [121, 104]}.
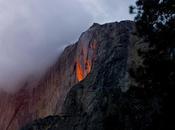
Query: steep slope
{"type": "Point", "coordinates": [95, 102]}
{"type": "Point", "coordinates": [108, 98]}
{"type": "Point", "coordinates": [39, 99]}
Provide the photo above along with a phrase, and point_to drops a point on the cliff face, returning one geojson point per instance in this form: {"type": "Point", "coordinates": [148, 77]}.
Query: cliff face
{"type": "Point", "coordinates": [87, 87]}
{"type": "Point", "coordinates": [40, 99]}
{"type": "Point", "coordinates": [108, 98]}
{"type": "Point", "coordinates": [96, 102]}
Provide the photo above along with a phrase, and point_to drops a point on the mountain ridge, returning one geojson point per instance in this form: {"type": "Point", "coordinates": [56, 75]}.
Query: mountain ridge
{"type": "Point", "coordinates": [47, 96]}
{"type": "Point", "coordinates": [89, 103]}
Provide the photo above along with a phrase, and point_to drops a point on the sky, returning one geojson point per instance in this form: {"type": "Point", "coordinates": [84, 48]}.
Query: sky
{"type": "Point", "coordinates": [34, 32]}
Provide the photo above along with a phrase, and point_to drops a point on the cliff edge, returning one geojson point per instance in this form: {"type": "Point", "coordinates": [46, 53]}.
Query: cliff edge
{"type": "Point", "coordinates": [100, 100]}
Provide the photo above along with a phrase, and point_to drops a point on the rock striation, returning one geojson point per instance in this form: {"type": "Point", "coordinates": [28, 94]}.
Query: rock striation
{"type": "Point", "coordinates": [38, 99]}
{"type": "Point", "coordinates": [108, 98]}
{"type": "Point", "coordinates": [98, 101]}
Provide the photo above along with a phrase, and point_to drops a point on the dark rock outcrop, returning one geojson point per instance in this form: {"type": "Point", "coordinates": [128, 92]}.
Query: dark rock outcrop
{"type": "Point", "coordinates": [109, 98]}
{"type": "Point", "coordinates": [103, 100]}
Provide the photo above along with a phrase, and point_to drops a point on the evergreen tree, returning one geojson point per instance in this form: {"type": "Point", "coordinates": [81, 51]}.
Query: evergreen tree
{"type": "Point", "coordinates": [155, 22]}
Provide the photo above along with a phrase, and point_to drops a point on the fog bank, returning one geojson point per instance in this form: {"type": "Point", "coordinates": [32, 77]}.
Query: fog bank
{"type": "Point", "coordinates": [34, 32]}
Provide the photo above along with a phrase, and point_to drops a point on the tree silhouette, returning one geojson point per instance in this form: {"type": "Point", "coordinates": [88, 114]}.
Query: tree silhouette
{"type": "Point", "coordinates": [155, 22]}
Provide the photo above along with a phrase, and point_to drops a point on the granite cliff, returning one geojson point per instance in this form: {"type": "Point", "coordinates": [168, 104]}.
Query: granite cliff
{"type": "Point", "coordinates": [108, 98]}
{"type": "Point", "coordinates": [88, 88]}
{"type": "Point", "coordinates": [100, 100]}
{"type": "Point", "coordinates": [38, 99]}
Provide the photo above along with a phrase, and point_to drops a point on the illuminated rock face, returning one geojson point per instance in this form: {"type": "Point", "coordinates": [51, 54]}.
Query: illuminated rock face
{"type": "Point", "coordinates": [79, 71]}
{"type": "Point", "coordinates": [86, 54]}
{"type": "Point", "coordinates": [95, 47]}
{"type": "Point", "coordinates": [105, 53]}
{"type": "Point", "coordinates": [38, 100]}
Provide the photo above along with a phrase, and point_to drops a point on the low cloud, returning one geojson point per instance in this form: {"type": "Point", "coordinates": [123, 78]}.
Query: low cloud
{"type": "Point", "coordinates": [34, 32]}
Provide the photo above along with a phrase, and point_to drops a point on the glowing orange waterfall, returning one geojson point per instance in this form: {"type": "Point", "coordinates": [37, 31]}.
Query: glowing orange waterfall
{"type": "Point", "coordinates": [79, 73]}
{"type": "Point", "coordinates": [84, 62]}
{"type": "Point", "coordinates": [83, 70]}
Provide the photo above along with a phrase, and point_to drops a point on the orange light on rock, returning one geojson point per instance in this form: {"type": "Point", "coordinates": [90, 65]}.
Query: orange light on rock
{"type": "Point", "coordinates": [88, 66]}
{"type": "Point", "coordinates": [79, 72]}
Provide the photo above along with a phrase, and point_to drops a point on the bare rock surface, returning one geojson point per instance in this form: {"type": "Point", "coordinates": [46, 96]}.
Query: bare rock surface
{"type": "Point", "coordinates": [100, 100]}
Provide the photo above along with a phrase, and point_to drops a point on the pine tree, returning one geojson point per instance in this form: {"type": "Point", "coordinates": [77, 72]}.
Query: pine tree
{"type": "Point", "coordinates": [155, 22]}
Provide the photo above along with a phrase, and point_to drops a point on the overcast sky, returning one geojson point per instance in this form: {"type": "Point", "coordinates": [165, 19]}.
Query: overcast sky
{"type": "Point", "coordinates": [33, 32]}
